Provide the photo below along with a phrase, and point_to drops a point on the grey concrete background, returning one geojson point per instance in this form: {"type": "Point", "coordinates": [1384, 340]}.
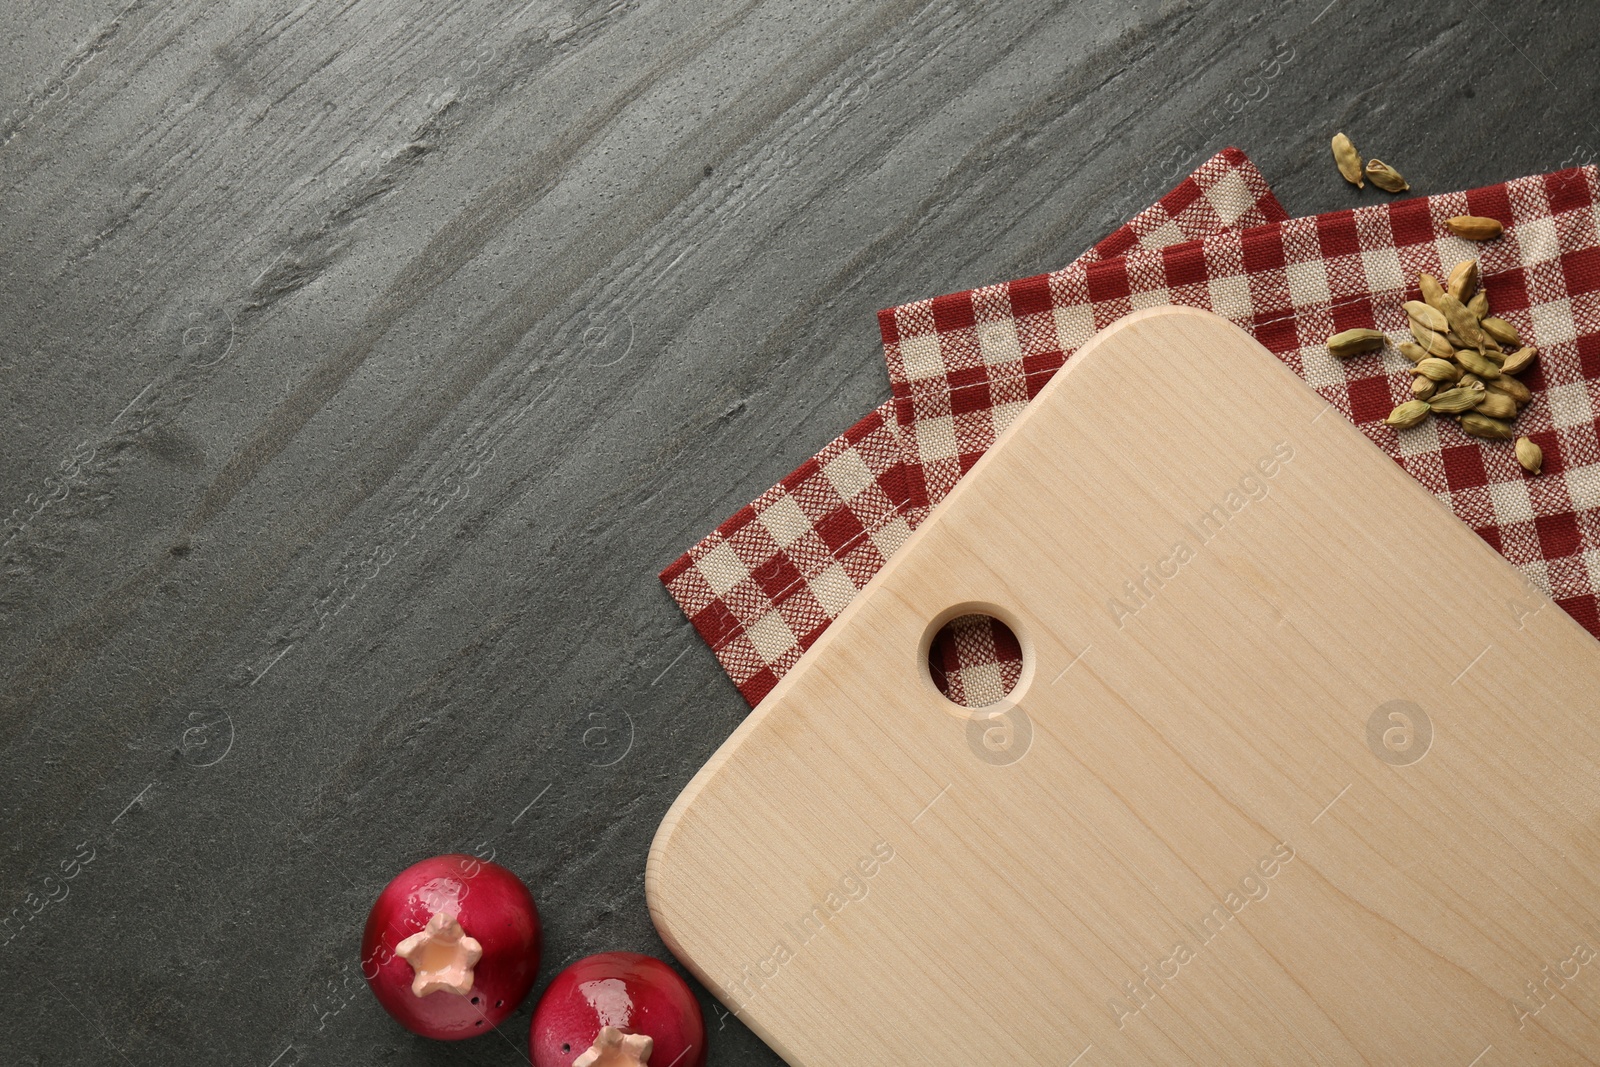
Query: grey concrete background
{"type": "Point", "coordinates": [362, 362]}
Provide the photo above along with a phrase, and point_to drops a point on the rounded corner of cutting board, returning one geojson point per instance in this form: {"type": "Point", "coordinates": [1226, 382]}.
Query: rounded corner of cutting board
{"type": "Point", "coordinates": [671, 879]}
{"type": "Point", "coordinates": [1173, 315]}
{"type": "Point", "coordinates": [660, 906]}
{"type": "Point", "coordinates": [669, 865]}
{"type": "Point", "coordinates": [1168, 311]}
{"type": "Point", "coordinates": [671, 862]}
{"type": "Point", "coordinates": [662, 874]}
{"type": "Point", "coordinates": [1157, 325]}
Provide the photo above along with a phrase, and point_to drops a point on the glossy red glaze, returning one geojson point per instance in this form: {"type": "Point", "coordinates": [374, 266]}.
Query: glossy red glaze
{"type": "Point", "coordinates": [492, 906]}
{"type": "Point", "coordinates": [636, 994]}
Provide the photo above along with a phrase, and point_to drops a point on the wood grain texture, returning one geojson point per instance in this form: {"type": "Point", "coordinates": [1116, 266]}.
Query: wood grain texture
{"type": "Point", "coordinates": [1198, 799]}
{"type": "Point", "coordinates": [362, 362]}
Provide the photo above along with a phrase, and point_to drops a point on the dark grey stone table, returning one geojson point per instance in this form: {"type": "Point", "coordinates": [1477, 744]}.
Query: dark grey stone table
{"type": "Point", "coordinates": [362, 363]}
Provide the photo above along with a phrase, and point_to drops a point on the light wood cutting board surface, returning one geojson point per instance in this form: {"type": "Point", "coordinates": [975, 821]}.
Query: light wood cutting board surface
{"type": "Point", "coordinates": [1299, 769]}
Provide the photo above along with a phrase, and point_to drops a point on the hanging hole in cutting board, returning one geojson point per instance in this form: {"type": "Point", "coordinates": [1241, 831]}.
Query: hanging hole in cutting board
{"type": "Point", "coordinates": [975, 660]}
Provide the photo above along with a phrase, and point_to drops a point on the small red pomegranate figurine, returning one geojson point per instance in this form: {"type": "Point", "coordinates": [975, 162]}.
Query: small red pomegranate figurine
{"type": "Point", "coordinates": [618, 1009]}
{"type": "Point", "coordinates": [451, 946]}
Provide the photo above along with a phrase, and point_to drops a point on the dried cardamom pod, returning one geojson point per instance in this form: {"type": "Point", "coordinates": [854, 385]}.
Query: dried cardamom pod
{"type": "Point", "coordinates": [1500, 330]}
{"type": "Point", "coordinates": [1463, 283]}
{"type": "Point", "coordinates": [1489, 347]}
{"type": "Point", "coordinates": [1412, 351]}
{"type": "Point", "coordinates": [1478, 364]}
{"type": "Point", "coordinates": [1408, 414]}
{"type": "Point", "coordinates": [1354, 342]}
{"type": "Point", "coordinates": [1479, 305]}
{"type": "Point", "coordinates": [1471, 381]}
{"type": "Point", "coordinates": [1483, 426]}
{"type": "Point", "coordinates": [1386, 177]}
{"type": "Point", "coordinates": [1455, 401]}
{"type": "Point", "coordinates": [1434, 344]}
{"type": "Point", "coordinates": [1463, 323]}
{"type": "Point", "coordinates": [1519, 361]}
{"type": "Point", "coordinates": [1438, 370]}
{"type": "Point", "coordinates": [1429, 318]}
{"type": "Point", "coordinates": [1530, 455]}
{"type": "Point", "coordinates": [1509, 386]}
{"type": "Point", "coordinates": [1349, 160]}
{"type": "Point", "coordinates": [1475, 227]}
{"type": "Point", "coordinates": [1497, 406]}
{"type": "Point", "coordinates": [1431, 289]}
{"type": "Point", "coordinates": [1423, 388]}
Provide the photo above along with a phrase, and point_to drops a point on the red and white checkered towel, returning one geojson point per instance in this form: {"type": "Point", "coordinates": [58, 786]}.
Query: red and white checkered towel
{"type": "Point", "coordinates": [767, 582]}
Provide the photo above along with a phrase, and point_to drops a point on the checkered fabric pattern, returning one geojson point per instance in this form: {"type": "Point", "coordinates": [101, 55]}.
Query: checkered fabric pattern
{"type": "Point", "coordinates": [965, 364]}
{"type": "Point", "coordinates": [762, 588]}
{"type": "Point", "coordinates": [975, 660]}
{"type": "Point", "coordinates": [1226, 192]}
{"type": "Point", "coordinates": [951, 346]}
{"type": "Point", "coordinates": [764, 585]}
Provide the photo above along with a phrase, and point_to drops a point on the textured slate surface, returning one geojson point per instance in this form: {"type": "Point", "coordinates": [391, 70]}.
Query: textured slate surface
{"type": "Point", "coordinates": [362, 362]}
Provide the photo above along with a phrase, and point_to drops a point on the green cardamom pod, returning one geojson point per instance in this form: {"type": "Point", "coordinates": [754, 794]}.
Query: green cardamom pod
{"type": "Point", "coordinates": [1530, 455]}
{"type": "Point", "coordinates": [1519, 361]}
{"type": "Point", "coordinates": [1500, 330]}
{"type": "Point", "coordinates": [1435, 344]}
{"type": "Point", "coordinates": [1463, 281]}
{"type": "Point", "coordinates": [1478, 364]}
{"type": "Point", "coordinates": [1430, 318]}
{"type": "Point", "coordinates": [1455, 401]}
{"type": "Point", "coordinates": [1408, 414]}
{"type": "Point", "coordinates": [1483, 426]}
{"type": "Point", "coordinates": [1512, 388]}
{"type": "Point", "coordinates": [1354, 342]}
{"type": "Point", "coordinates": [1475, 227]}
{"type": "Point", "coordinates": [1348, 159]}
{"type": "Point", "coordinates": [1439, 370]}
{"type": "Point", "coordinates": [1497, 406]}
{"type": "Point", "coordinates": [1431, 289]}
{"type": "Point", "coordinates": [1463, 323]}
{"type": "Point", "coordinates": [1386, 177]}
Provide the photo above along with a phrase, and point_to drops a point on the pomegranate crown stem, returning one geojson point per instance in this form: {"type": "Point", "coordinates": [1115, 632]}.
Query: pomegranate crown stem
{"type": "Point", "coordinates": [613, 1048]}
{"type": "Point", "coordinates": [442, 956]}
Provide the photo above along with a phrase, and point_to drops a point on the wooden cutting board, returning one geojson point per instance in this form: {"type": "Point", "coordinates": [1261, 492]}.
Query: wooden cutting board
{"type": "Point", "coordinates": [1299, 770]}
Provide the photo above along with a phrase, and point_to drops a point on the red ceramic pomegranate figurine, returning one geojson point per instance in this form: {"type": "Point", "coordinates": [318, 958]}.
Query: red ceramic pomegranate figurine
{"type": "Point", "coordinates": [618, 1009]}
{"type": "Point", "coordinates": [451, 946]}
